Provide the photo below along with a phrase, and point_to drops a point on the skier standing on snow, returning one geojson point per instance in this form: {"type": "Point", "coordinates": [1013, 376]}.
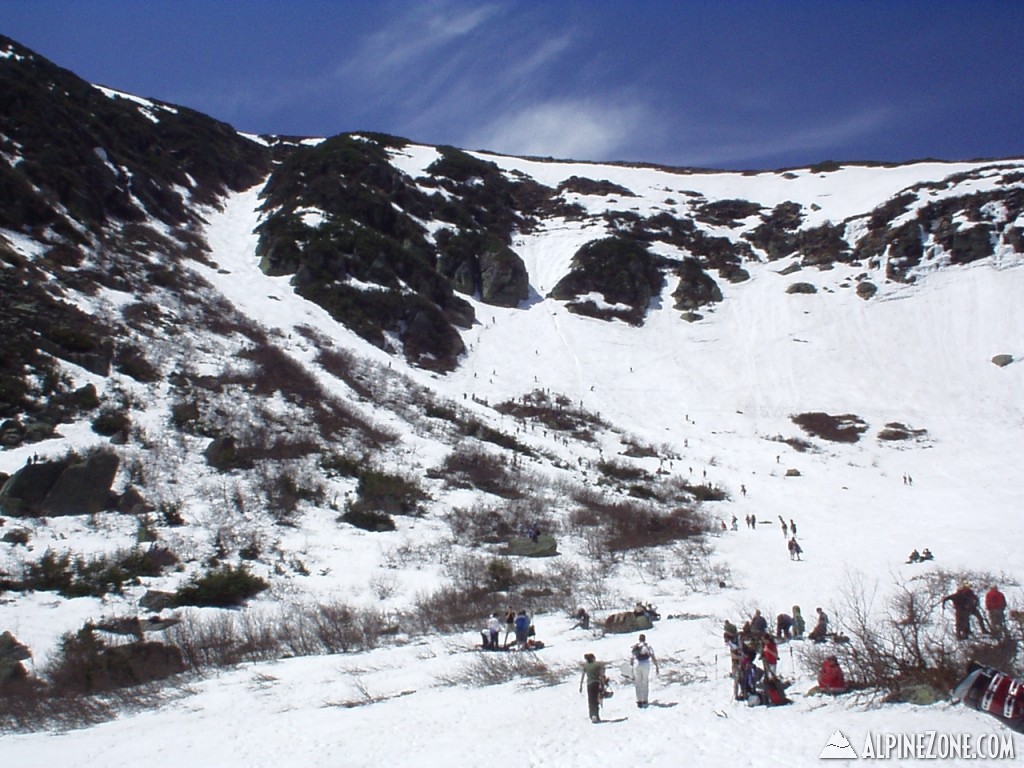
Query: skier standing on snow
{"type": "Point", "coordinates": [641, 658]}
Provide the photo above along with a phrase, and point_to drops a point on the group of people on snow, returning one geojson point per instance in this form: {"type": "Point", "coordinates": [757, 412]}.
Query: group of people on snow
{"type": "Point", "coordinates": [641, 659]}
{"type": "Point", "coordinates": [920, 557]}
{"type": "Point", "coordinates": [750, 683]}
{"type": "Point", "coordinates": [966, 607]}
{"type": "Point", "coordinates": [517, 624]}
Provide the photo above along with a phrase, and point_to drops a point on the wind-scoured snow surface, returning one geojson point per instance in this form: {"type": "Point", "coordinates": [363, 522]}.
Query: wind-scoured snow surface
{"type": "Point", "coordinates": [718, 393]}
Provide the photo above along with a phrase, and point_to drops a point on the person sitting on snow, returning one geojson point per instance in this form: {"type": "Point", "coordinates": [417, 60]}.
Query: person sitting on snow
{"type": "Point", "coordinates": [830, 678]}
{"type": "Point", "coordinates": [820, 632]}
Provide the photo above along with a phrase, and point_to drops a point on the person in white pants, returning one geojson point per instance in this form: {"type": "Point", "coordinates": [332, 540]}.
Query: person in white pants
{"type": "Point", "coordinates": [642, 657]}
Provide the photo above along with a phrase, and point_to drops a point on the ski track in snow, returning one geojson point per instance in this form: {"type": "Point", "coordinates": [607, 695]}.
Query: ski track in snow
{"type": "Point", "coordinates": [727, 386]}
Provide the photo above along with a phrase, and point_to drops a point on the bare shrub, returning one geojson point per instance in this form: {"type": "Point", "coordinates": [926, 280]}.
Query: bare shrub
{"type": "Point", "coordinates": [226, 639]}
{"type": "Point", "coordinates": [635, 524]}
{"type": "Point", "coordinates": [528, 669]}
{"type": "Point", "coordinates": [693, 564]}
{"type": "Point", "coordinates": [906, 641]}
{"type": "Point", "coordinates": [473, 467]}
{"type": "Point", "coordinates": [490, 524]}
{"type": "Point", "coordinates": [451, 609]}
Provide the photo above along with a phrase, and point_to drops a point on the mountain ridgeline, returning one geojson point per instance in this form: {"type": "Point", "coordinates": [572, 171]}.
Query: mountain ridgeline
{"type": "Point", "coordinates": [104, 191]}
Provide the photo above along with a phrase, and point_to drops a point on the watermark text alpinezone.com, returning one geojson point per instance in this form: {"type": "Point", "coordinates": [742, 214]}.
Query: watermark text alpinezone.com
{"type": "Point", "coordinates": [937, 745]}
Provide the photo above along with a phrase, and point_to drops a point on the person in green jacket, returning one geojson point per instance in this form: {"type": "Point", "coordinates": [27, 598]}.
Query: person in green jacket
{"type": "Point", "coordinates": [593, 675]}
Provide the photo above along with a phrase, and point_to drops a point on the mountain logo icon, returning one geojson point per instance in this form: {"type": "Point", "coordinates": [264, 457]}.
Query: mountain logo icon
{"type": "Point", "coordinates": [838, 748]}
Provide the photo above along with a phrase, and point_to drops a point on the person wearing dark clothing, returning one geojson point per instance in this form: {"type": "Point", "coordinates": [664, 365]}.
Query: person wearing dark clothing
{"type": "Point", "coordinates": [794, 549]}
{"type": "Point", "coordinates": [750, 675]}
{"type": "Point", "coordinates": [758, 624]}
{"type": "Point", "coordinates": [915, 557]}
{"type": "Point", "coordinates": [593, 675]}
{"type": "Point", "coordinates": [820, 632]}
{"type": "Point", "coordinates": [783, 625]}
{"type": "Point", "coordinates": [582, 619]}
{"type": "Point", "coordinates": [731, 636]}
{"type": "Point", "coordinates": [965, 605]}
{"type": "Point", "coordinates": [510, 624]}
{"type": "Point", "coordinates": [995, 604]}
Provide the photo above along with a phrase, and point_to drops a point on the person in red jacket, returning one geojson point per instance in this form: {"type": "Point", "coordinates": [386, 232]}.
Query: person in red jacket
{"type": "Point", "coordinates": [830, 678]}
{"type": "Point", "coordinates": [769, 655]}
{"type": "Point", "coordinates": [995, 604]}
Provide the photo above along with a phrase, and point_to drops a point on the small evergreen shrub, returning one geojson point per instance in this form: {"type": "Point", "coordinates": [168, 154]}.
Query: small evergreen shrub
{"type": "Point", "coordinates": [368, 520]}
{"type": "Point", "coordinates": [222, 588]}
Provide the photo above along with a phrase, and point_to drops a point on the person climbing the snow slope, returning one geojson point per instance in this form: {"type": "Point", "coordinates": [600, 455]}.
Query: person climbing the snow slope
{"type": "Point", "coordinates": [758, 623]}
{"type": "Point", "coordinates": [995, 604]}
{"type": "Point", "coordinates": [641, 658]}
{"type": "Point", "coordinates": [593, 674]}
{"type": "Point", "coordinates": [794, 549]}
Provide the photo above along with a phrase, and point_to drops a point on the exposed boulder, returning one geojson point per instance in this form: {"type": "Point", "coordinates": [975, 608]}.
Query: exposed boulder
{"type": "Point", "coordinates": [222, 453]}
{"type": "Point", "coordinates": [544, 546]}
{"type": "Point", "coordinates": [696, 287]}
{"type": "Point", "coordinates": [806, 288]}
{"type": "Point", "coordinates": [154, 600]}
{"type": "Point", "coordinates": [12, 653]}
{"type": "Point", "coordinates": [68, 486]}
{"type": "Point", "coordinates": [621, 269]}
{"type": "Point", "coordinates": [84, 487]}
{"type": "Point", "coordinates": [23, 493]}
{"type": "Point", "coordinates": [866, 289]}
{"type": "Point", "coordinates": [628, 621]}
{"type": "Point", "coordinates": [1002, 360]}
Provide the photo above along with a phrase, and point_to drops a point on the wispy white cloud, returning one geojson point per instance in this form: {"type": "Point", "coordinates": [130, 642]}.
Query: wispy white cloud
{"type": "Point", "coordinates": [572, 128]}
{"type": "Point", "coordinates": [402, 44]}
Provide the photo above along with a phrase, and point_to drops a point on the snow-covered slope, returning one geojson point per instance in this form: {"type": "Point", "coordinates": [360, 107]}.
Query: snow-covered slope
{"type": "Point", "coordinates": [717, 397]}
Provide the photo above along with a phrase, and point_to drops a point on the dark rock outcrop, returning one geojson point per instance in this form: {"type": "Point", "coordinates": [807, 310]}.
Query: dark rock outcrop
{"type": "Point", "coordinates": [69, 486]}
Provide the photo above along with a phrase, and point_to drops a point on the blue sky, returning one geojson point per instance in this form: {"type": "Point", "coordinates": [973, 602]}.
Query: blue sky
{"type": "Point", "coordinates": [724, 84]}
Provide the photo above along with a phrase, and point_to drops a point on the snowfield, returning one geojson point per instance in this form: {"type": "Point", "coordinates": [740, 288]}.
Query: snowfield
{"type": "Point", "coordinates": [717, 396]}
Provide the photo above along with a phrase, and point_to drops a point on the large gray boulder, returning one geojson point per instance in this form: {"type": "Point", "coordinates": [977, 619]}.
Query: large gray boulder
{"type": "Point", "coordinates": [84, 487]}
{"type": "Point", "coordinates": [12, 653]}
{"type": "Point", "coordinates": [67, 486]}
